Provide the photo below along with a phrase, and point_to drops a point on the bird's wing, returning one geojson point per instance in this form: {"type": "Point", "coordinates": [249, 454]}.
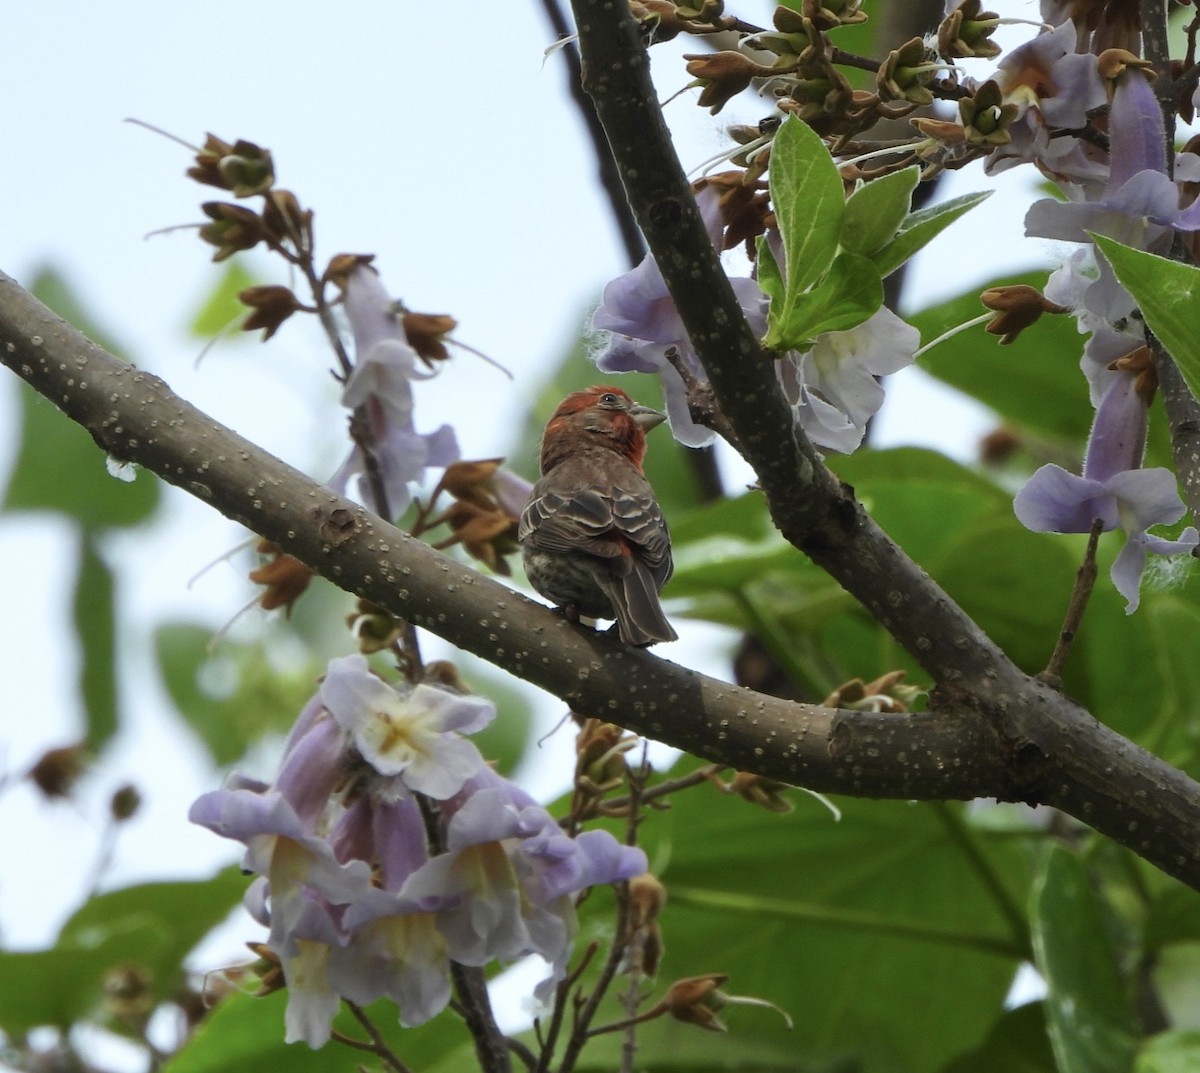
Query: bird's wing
{"type": "Point", "coordinates": [578, 521]}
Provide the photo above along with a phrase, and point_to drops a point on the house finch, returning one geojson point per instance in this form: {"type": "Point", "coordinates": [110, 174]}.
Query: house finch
{"type": "Point", "coordinates": [593, 537]}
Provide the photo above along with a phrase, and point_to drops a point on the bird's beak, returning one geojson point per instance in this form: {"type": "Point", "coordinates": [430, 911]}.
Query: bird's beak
{"type": "Point", "coordinates": [646, 417]}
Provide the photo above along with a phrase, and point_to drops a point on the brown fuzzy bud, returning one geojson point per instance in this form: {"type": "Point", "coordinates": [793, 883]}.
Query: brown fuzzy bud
{"type": "Point", "coordinates": [124, 803]}
{"type": "Point", "coordinates": [426, 333]}
{"type": "Point", "coordinates": [1017, 307]}
{"type": "Point", "coordinates": [284, 576]}
{"type": "Point", "coordinates": [967, 31]}
{"type": "Point", "coordinates": [58, 770]}
{"type": "Point", "coordinates": [271, 306]}
{"type": "Point", "coordinates": [233, 228]}
{"type": "Point", "coordinates": [695, 1001]}
{"type": "Point", "coordinates": [242, 168]}
{"type": "Point", "coordinates": [723, 75]}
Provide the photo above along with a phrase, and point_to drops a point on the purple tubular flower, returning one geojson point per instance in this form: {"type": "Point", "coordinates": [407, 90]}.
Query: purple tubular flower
{"type": "Point", "coordinates": [639, 312]}
{"type": "Point", "coordinates": [1112, 490]}
{"type": "Point", "coordinates": [1140, 204]}
{"type": "Point", "coordinates": [381, 383]}
{"type": "Point", "coordinates": [312, 1001]}
{"type": "Point", "coordinates": [1054, 86]}
{"type": "Point", "coordinates": [504, 888]}
{"type": "Point", "coordinates": [414, 736]}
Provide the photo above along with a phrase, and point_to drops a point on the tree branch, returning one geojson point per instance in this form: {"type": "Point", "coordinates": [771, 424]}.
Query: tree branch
{"type": "Point", "coordinates": [1059, 755]}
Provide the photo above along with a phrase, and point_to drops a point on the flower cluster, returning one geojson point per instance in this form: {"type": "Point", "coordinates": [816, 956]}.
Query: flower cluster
{"type": "Point", "coordinates": [386, 848]}
{"type": "Point", "coordinates": [832, 387]}
{"type": "Point", "coordinates": [1136, 203]}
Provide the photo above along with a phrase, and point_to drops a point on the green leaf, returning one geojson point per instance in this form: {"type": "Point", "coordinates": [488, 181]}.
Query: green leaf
{"type": "Point", "coordinates": [922, 227]}
{"type": "Point", "coordinates": [876, 211]}
{"type": "Point", "coordinates": [1169, 618]}
{"type": "Point", "coordinates": [842, 299]}
{"type": "Point", "coordinates": [727, 544]}
{"type": "Point", "coordinates": [58, 466]}
{"type": "Point", "coordinates": [1017, 1043]}
{"type": "Point", "coordinates": [1167, 293]}
{"type": "Point", "coordinates": [1170, 1052]}
{"type": "Point", "coordinates": [1012, 582]}
{"type": "Point", "coordinates": [1086, 1009]}
{"type": "Point", "coordinates": [221, 307]}
{"type": "Point", "coordinates": [65, 984]}
{"type": "Point", "coordinates": [179, 913]}
{"type": "Point", "coordinates": [233, 696]}
{"type": "Point", "coordinates": [1173, 917]}
{"type": "Point", "coordinates": [923, 499]}
{"type": "Point", "coordinates": [806, 194]}
{"type": "Point", "coordinates": [854, 942]}
{"type": "Point", "coordinates": [1042, 365]}
{"type": "Point", "coordinates": [94, 616]}
{"type": "Point", "coordinates": [244, 1034]}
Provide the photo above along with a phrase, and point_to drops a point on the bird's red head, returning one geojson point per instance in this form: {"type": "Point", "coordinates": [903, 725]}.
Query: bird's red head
{"type": "Point", "coordinates": [600, 416]}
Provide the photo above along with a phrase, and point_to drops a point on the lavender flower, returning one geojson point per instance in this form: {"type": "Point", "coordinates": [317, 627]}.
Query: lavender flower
{"type": "Point", "coordinates": [381, 385]}
{"type": "Point", "coordinates": [413, 735]}
{"type": "Point", "coordinates": [1113, 490]}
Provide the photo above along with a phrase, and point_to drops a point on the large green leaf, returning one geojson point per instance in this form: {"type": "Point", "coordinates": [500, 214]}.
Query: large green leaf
{"type": "Point", "coordinates": [231, 695]}
{"type": "Point", "coordinates": [244, 1034]}
{"type": "Point", "coordinates": [1167, 292]}
{"type": "Point", "coordinates": [65, 984]}
{"type": "Point", "coordinates": [95, 626]}
{"type": "Point", "coordinates": [58, 466]}
{"type": "Point", "coordinates": [1034, 383]}
{"type": "Point", "coordinates": [860, 929]}
{"type": "Point", "coordinates": [1177, 730]}
{"type": "Point", "coordinates": [1091, 1027]}
{"type": "Point", "coordinates": [921, 498]}
{"type": "Point", "coordinates": [180, 912]}
{"type": "Point", "coordinates": [1170, 1052]}
{"type": "Point", "coordinates": [1017, 1043]}
{"type": "Point", "coordinates": [146, 930]}
{"type": "Point", "coordinates": [1012, 582]}
{"type": "Point", "coordinates": [727, 544]}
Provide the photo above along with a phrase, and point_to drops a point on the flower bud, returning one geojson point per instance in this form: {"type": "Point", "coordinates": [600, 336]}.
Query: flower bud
{"type": "Point", "coordinates": [967, 32]}
{"type": "Point", "coordinates": [284, 576]}
{"type": "Point", "coordinates": [57, 770]}
{"type": "Point", "coordinates": [233, 228]}
{"type": "Point", "coordinates": [1018, 307]}
{"type": "Point", "coordinates": [271, 306]}
{"type": "Point", "coordinates": [124, 803]}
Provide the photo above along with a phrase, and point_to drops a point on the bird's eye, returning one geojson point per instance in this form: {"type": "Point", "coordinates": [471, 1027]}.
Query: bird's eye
{"type": "Point", "coordinates": [610, 399]}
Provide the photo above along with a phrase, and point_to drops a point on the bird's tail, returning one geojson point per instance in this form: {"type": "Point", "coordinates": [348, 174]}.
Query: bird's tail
{"type": "Point", "coordinates": [640, 617]}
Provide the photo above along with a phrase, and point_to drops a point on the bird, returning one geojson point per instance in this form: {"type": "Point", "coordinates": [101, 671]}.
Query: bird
{"type": "Point", "coordinates": [593, 537]}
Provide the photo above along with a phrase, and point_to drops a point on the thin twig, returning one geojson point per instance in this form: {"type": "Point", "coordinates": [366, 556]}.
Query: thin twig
{"type": "Point", "coordinates": [619, 805]}
{"type": "Point", "coordinates": [378, 1046]}
{"type": "Point", "coordinates": [1085, 578]}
